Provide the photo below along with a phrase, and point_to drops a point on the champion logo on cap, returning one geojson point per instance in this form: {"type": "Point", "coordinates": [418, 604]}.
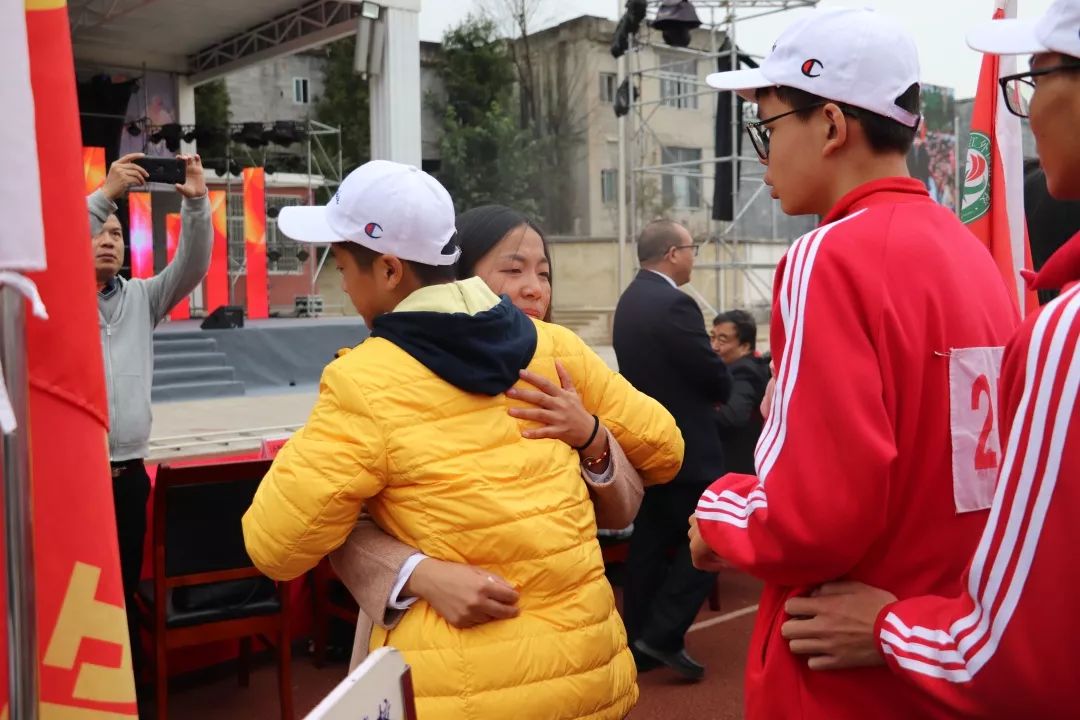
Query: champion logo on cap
{"type": "Point", "coordinates": [812, 68]}
{"type": "Point", "coordinates": [373, 230]}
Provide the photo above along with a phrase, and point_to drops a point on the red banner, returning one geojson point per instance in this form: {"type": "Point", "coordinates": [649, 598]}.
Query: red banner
{"type": "Point", "coordinates": [85, 659]}
{"type": "Point", "coordinates": [93, 167]}
{"type": "Point", "coordinates": [992, 204]}
{"type": "Point", "coordinates": [217, 280]}
{"type": "Point", "coordinates": [141, 233]}
{"type": "Point", "coordinates": [258, 299]}
{"type": "Point", "coordinates": [182, 309]}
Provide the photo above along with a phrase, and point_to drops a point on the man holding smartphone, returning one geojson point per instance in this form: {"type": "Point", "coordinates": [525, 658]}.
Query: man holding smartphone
{"type": "Point", "coordinates": [128, 312]}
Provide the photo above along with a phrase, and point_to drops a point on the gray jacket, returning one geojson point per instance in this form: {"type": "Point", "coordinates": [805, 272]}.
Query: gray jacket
{"type": "Point", "coordinates": [128, 317]}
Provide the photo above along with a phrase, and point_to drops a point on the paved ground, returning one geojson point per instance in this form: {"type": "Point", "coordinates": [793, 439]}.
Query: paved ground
{"type": "Point", "coordinates": [719, 640]}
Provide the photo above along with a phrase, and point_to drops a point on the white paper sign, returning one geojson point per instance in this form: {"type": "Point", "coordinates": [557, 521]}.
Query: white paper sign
{"type": "Point", "coordinates": [973, 413]}
{"type": "Point", "coordinates": [379, 689]}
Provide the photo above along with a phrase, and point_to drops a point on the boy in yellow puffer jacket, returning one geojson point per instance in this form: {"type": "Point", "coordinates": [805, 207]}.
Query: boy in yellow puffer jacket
{"type": "Point", "coordinates": [413, 425]}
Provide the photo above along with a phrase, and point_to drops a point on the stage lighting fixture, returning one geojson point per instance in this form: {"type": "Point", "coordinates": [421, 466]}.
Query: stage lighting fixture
{"type": "Point", "coordinates": [675, 19]}
{"type": "Point", "coordinates": [251, 134]}
{"type": "Point", "coordinates": [236, 168]}
{"type": "Point", "coordinates": [622, 98]}
{"type": "Point", "coordinates": [369, 10]}
{"type": "Point", "coordinates": [273, 255]}
{"type": "Point", "coordinates": [635, 10]}
{"type": "Point", "coordinates": [629, 24]}
{"type": "Point", "coordinates": [284, 133]}
{"type": "Point", "coordinates": [192, 134]}
{"type": "Point", "coordinates": [134, 130]}
{"type": "Point", "coordinates": [169, 134]}
{"type": "Point", "coordinates": [273, 212]}
{"type": "Point", "coordinates": [302, 255]}
{"type": "Point", "coordinates": [219, 166]}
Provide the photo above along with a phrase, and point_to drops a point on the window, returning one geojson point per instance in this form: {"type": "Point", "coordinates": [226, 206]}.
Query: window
{"type": "Point", "coordinates": [678, 81]}
{"type": "Point", "coordinates": [609, 84]}
{"type": "Point", "coordinates": [300, 91]}
{"type": "Point", "coordinates": [609, 186]}
{"type": "Point", "coordinates": [681, 186]}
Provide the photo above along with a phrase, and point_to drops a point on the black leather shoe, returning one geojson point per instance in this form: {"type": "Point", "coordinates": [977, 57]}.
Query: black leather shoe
{"type": "Point", "coordinates": [643, 662]}
{"type": "Point", "coordinates": [678, 661]}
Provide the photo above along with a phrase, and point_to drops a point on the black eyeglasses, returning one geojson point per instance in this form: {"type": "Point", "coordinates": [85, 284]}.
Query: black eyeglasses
{"type": "Point", "coordinates": [759, 133]}
{"type": "Point", "coordinates": [1019, 89]}
{"type": "Point", "coordinates": [692, 246]}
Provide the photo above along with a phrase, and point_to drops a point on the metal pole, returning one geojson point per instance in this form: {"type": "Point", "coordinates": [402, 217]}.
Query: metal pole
{"type": "Point", "coordinates": [228, 213]}
{"type": "Point", "coordinates": [18, 518]}
{"type": "Point", "coordinates": [634, 140]}
{"type": "Point", "coordinates": [310, 201]}
{"type": "Point", "coordinates": [620, 275]}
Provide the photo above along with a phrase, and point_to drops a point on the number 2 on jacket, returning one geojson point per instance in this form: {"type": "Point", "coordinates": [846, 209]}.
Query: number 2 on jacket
{"type": "Point", "coordinates": [976, 450]}
{"type": "Point", "coordinates": [985, 458]}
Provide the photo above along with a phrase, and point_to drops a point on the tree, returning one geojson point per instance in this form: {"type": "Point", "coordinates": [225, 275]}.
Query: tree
{"type": "Point", "coordinates": [212, 119]}
{"type": "Point", "coordinates": [344, 103]}
{"type": "Point", "coordinates": [486, 155]}
{"type": "Point", "coordinates": [552, 101]}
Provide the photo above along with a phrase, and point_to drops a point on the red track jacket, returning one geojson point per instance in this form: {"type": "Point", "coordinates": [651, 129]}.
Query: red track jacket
{"type": "Point", "coordinates": [1005, 647]}
{"type": "Point", "coordinates": [857, 477]}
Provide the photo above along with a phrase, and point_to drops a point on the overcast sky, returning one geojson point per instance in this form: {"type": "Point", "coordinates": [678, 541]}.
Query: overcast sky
{"type": "Point", "coordinates": [938, 26]}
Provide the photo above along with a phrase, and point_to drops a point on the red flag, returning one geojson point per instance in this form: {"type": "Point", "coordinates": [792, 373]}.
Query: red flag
{"type": "Point", "coordinates": [85, 658]}
{"type": "Point", "coordinates": [993, 197]}
{"type": "Point", "coordinates": [94, 168]}
{"type": "Point", "coordinates": [258, 299]}
{"type": "Point", "coordinates": [182, 309]}
{"type": "Point", "coordinates": [141, 233]}
{"type": "Point", "coordinates": [217, 280]}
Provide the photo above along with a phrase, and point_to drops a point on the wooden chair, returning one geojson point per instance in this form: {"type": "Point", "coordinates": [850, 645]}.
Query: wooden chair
{"type": "Point", "coordinates": [330, 599]}
{"type": "Point", "coordinates": [211, 590]}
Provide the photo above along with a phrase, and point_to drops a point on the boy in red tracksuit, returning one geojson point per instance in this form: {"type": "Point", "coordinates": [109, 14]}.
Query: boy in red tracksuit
{"type": "Point", "coordinates": [1004, 646]}
{"type": "Point", "coordinates": [868, 468]}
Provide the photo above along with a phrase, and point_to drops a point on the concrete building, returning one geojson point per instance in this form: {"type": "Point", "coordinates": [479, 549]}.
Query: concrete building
{"type": "Point", "coordinates": [285, 88]}
{"type": "Point", "coordinates": [576, 84]}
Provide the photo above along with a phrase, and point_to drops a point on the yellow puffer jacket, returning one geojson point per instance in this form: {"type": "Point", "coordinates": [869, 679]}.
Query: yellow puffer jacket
{"type": "Point", "coordinates": [448, 472]}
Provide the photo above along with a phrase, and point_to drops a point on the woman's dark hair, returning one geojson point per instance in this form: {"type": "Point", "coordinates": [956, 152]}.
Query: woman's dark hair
{"type": "Point", "coordinates": [481, 228]}
{"type": "Point", "coordinates": [884, 134]}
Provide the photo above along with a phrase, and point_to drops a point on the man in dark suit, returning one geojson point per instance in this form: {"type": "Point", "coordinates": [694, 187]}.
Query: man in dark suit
{"type": "Point", "coordinates": [662, 348]}
{"type": "Point", "coordinates": [739, 420]}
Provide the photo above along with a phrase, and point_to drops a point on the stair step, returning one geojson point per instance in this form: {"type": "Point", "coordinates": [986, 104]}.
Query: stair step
{"type": "Point", "coordinates": [181, 335]}
{"type": "Point", "coordinates": [171, 360]}
{"type": "Point", "coordinates": [185, 345]}
{"type": "Point", "coordinates": [197, 391]}
{"type": "Point", "coordinates": [197, 374]}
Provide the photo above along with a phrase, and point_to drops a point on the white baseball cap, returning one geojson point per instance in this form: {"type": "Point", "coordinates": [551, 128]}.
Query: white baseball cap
{"type": "Point", "coordinates": [387, 207]}
{"type": "Point", "coordinates": [853, 56]}
{"type": "Point", "coordinates": [1058, 30]}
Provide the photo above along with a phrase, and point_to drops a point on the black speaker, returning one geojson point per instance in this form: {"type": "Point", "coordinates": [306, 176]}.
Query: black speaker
{"type": "Point", "coordinates": [225, 317]}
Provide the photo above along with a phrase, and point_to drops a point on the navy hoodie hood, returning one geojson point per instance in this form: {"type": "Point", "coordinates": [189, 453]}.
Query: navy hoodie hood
{"type": "Point", "coordinates": [478, 353]}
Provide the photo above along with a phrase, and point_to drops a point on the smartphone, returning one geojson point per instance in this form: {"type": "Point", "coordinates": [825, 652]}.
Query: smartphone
{"type": "Point", "coordinates": [168, 171]}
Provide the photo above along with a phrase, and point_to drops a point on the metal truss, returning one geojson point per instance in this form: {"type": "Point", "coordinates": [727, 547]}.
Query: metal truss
{"type": "Point", "coordinates": [311, 25]}
{"type": "Point", "coordinates": [720, 18]}
{"type": "Point", "coordinates": [87, 14]}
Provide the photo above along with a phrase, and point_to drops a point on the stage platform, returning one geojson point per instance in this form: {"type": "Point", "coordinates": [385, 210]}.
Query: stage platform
{"type": "Point", "coordinates": [191, 363]}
